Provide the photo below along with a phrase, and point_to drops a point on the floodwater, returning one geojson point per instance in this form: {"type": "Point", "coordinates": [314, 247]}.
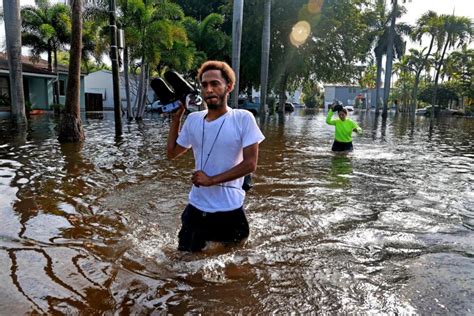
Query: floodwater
{"type": "Point", "coordinates": [92, 229]}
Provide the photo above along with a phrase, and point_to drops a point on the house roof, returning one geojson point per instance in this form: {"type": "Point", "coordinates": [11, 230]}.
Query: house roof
{"type": "Point", "coordinates": [341, 85]}
{"type": "Point", "coordinates": [33, 67]}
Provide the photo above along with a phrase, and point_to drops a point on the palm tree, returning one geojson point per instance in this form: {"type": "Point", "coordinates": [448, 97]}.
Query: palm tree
{"type": "Point", "coordinates": [380, 36]}
{"type": "Point", "coordinates": [207, 36]}
{"type": "Point", "coordinates": [265, 55]}
{"type": "Point", "coordinates": [458, 30]}
{"type": "Point", "coordinates": [395, 43]}
{"type": "Point", "coordinates": [428, 24]}
{"type": "Point", "coordinates": [418, 61]}
{"type": "Point", "coordinates": [462, 70]}
{"type": "Point", "coordinates": [70, 127]}
{"type": "Point", "coordinates": [13, 40]}
{"type": "Point", "coordinates": [46, 29]}
{"type": "Point", "coordinates": [404, 69]}
{"type": "Point", "coordinates": [156, 39]}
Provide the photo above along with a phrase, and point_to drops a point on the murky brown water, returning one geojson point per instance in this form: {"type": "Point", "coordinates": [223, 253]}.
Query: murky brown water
{"type": "Point", "coordinates": [387, 230]}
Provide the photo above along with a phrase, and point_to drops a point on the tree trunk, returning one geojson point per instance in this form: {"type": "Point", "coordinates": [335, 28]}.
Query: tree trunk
{"type": "Point", "coordinates": [236, 43]}
{"type": "Point", "coordinates": [138, 95]}
{"type": "Point", "coordinates": [70, 128]}
{"type": "Point", "coordinates": [435, 87]}
{"type": "Point", "coordinates": [56, 81]}
{"type": "Point", "coordinates": [139, 99]}
{"type": "Point", "coordinates": [282, 93]}
{"type": "Point", "coordinates": [417, 79]}
{"type": "Point", "coordinates": [145, 91]}
{"type": "Point", "coordinates": [12, 21]}
{"type": "Point", "coordinates": [127, 83]}
{"type": "Point", "coordinates": [388, 65]}
{"type": "Point", "coordinates": [265, 56]}
{"type": "Point", "coordinates": [50, 57]}
{"type": "Point", "coordinates": [378, 84]}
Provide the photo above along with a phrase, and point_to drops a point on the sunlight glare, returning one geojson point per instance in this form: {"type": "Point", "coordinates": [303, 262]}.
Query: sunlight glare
{"type": "Point", "coordinates": [300, 33]}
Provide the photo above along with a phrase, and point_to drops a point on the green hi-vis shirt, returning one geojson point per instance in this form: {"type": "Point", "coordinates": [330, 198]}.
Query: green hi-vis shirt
{"type": "Point", "coordinates": [343, 128]}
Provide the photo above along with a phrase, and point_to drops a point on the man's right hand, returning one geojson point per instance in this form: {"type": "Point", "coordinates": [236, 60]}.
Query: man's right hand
{"type": "Point", "coordinates": [337, 107]}
{"type": "Point", "coordinates": [178, 114]}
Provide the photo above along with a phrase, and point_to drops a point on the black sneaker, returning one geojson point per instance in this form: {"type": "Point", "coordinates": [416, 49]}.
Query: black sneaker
{"type": "Point", "coordinates": [163, 92]}
{"type": "Point", "coordinates": [180, 86]}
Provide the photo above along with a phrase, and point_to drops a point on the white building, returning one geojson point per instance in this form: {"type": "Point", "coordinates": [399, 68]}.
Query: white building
{"type": "Point", "coordinates": [101, 82]}
{"type": "Point", "coordinates": [348, 94]}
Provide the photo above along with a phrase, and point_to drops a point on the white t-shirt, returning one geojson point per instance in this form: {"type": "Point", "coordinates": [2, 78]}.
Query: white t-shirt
{"type": "Point", "coordinates": [230, 133]}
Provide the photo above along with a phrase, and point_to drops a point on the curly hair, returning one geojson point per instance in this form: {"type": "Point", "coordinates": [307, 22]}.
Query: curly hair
{"type": "Point", "coordinates": [226, 70]}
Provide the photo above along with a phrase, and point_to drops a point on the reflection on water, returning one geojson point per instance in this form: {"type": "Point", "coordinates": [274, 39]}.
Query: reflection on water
{"type": "Point", "coordinates": [387, 229]}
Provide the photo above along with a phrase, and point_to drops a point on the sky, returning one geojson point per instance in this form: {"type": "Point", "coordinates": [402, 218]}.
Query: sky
{"type": "Point", "coordinates": [415, 8]}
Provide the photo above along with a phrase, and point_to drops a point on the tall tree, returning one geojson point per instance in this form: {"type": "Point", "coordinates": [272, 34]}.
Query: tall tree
{"type": "Point", "coordinates": [70, 127]}
{"type": "Point", "coordinates": [404, 70]}
{"type": "Point", "coordinates": [13, 40]}
{"type": "Point", "coordinates": [156, 39]}
{"type": "Point", "coordinates": [462, 71]}
{"type": "Point", "coordinates": [428, 24]}
{"type": "Point", "coordinates": [378, 33]}
{"type": "Point", "coordinates": [418, 61]}
{"type": "Point", "coordinates": [336, 48]}
{"type": "Point", "coordinates": [46, 29]}
{"type": "Point", "coordinates": [458, 30]}
{"type": "Point", "coordinates": [389, 58]}
{"type": "Point", "coordinates": [199, 9]}
{"type": "Point", "coordinates": [208, 38]}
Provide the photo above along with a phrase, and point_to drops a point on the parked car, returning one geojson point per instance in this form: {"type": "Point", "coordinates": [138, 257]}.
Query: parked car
{"type": "Point", "coordinates": [427, 110]}
{"type": "Point", "coordinates": [299, 105]}
{"type": "Point", "coordinates": [349, 108]}
{"type": "Point", "coordinates": [289, 107]}
{"type": "Point", "coordinates": [249, 106]}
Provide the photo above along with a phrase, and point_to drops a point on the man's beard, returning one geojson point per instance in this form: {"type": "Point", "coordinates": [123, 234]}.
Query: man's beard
{"type": "Point", "coordinates": [219, 103]}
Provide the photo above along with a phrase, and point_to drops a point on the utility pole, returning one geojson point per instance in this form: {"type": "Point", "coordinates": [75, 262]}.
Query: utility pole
{"type": "Point", "coordinates": [115, 69]}
{"type": "Point", "coordinates": [236, 43]}
{"type": "Point", "coordinates": [265, 56]}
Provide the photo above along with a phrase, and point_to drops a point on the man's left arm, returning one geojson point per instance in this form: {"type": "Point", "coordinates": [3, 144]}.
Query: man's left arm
{"type": "Point", "coordinates": [248, 165]}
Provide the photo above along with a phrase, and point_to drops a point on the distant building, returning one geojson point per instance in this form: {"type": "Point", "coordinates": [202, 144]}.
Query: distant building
{"type": "Point", "coordinates": [100, 82]}
{"type": "Point", "coordinates": [349, 94]}
{"type": "Point", "coordinates": [293, 97]}
{"type": "Point", "coordinates": [37, 82]}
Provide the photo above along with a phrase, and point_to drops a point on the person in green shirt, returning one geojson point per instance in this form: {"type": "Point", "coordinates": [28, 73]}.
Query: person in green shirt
{"type": "Point", "coordinates": [344, 128]}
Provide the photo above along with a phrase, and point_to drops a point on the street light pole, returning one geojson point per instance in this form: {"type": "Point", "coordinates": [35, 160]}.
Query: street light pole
{"type": "Point", "coordinates": [115, 69]}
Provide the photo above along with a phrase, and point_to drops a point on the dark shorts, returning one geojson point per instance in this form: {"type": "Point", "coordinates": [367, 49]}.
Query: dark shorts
{"type": "Point", "coordinates": [340, 146]}
{"type": "Point", "coordinates": [198, 227]}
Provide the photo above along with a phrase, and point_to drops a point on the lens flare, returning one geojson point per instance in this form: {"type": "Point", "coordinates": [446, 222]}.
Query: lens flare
{"type": "Point", "coordinates": [314, 6]}
{"type": "Point", "coordinates": [300, 33]}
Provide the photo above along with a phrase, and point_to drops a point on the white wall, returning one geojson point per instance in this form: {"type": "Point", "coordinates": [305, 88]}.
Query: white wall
{"type": "Point", "coordinates": [329, 96]}
{"type": "Point", "coordinates": [101, 82]}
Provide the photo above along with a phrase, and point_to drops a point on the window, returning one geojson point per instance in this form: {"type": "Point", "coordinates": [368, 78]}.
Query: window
{"type": "Point", "coordinates": [4, 90]}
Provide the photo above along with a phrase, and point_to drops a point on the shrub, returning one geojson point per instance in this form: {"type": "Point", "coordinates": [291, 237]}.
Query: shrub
{"type": "Point", "coordinates": [57, 108]}
{"type": "Point", "coordinates": [5, 100]}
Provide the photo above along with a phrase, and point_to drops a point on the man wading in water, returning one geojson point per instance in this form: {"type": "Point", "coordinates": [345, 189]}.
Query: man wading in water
{"type": "Point", "coordinates": [225, 147]}
{"type": "Point", "coordinates": [344, 128]}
